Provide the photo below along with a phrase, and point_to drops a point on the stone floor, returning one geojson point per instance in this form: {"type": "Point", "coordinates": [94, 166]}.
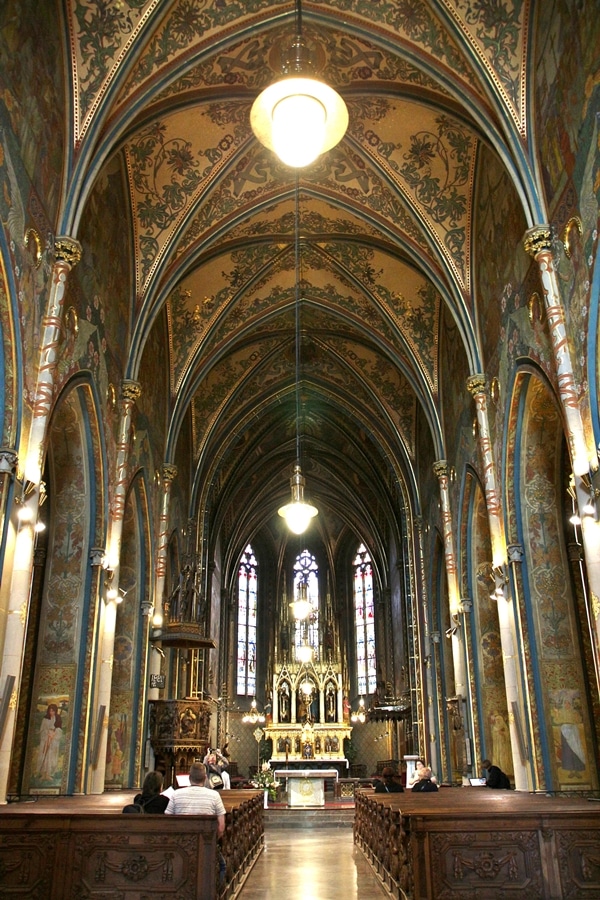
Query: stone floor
{"type": "Point", "coordinates": [311, 864]}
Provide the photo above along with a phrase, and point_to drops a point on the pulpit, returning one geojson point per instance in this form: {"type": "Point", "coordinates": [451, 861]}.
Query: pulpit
{"type": "Point", "coordinates": [179, 734]}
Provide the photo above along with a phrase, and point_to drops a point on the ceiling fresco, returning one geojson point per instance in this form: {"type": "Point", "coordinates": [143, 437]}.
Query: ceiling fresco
{"type": "Point", "coordinates": [384, 230]}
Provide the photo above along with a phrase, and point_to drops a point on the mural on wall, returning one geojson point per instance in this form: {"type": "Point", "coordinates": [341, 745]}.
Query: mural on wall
{"type": "Point", "coordinates": [31, 51]}
{"type": "Point", "coordinates": [63, 602]}
{"type": "Point", "coordinates": [126, 692]}
{"type": "Point", "coordinates": [50, 722]}
{"type": "Point", "coordinates": [552, 606]}
{"type": "Point", "coordinates": [490, 675]}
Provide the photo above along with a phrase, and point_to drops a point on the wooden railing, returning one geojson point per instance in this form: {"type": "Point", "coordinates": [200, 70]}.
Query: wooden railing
{"type": "Point", "coordinates": [480, 843]}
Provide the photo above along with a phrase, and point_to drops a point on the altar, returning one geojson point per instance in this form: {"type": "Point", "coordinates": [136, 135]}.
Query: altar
{"type": "Point", "coordinates": [306, 787]}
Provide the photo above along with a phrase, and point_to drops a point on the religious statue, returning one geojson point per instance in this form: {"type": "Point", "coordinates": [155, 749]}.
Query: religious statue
{"type": "Point", "coordinates": [330, 704]}
{"type": "Point", "coordinates": [284, 702]}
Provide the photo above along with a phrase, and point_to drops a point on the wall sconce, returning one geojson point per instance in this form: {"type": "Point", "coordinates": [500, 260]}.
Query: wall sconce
{"type": "Point", "coordinates": [454, 627]}
{"type": "Point", "coordinates": [25, 513]}
{"type": "Point", "coordinates": [112, 593]}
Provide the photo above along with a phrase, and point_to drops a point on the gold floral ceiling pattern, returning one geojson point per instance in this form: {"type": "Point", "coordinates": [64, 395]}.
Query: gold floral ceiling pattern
{"type": "Point", "coordinates": [385, 218]}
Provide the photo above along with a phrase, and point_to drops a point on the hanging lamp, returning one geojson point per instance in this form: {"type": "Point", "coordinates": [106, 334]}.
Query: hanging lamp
{"type": "Point", "coordinates": [297, 513]}
{"type": "Point", "coordinates": [299, 116]}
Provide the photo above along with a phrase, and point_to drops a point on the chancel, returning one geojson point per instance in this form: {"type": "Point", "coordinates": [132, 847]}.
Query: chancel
{"type": "Point", "coordinates": [300, 438]}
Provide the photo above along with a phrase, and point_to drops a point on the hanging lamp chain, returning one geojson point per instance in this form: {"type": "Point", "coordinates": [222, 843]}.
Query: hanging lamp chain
{"type": "Point", "coordinates": [297, 312]}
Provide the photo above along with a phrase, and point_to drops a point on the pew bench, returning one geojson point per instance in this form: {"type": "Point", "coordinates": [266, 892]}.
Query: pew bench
{"type": "Point", "coordinates": [476, 842]}
{"type": "Point", "coordinates": [68, 854]}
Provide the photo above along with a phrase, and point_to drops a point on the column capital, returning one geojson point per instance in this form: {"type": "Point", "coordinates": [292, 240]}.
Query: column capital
{"type": "Point", "coordinates": [97, 556]}
{"type": "Point", "coordinates": [476, 384]}
{"type": "Point", "coordinates": [441, 468]}
{"type": "Point", "coordinates": [67, 250]}
{"type": "Point", "coordinates": [169, 472]}
{"type": "Point", "coordinates": [130, 390]}
{"type": "Point", "coordinates": [515, 553]}
{"type": "Point", "coordinates": [8, 460]}
{"type": "Point", "coordinates": [537, 239]}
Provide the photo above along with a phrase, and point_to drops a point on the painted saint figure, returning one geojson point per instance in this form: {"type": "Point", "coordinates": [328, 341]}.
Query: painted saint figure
{"type": "Point", "coordinates": [48, 750]}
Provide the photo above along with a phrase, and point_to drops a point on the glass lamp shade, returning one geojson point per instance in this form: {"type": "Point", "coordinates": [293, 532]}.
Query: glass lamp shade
{"type": "Point", "coordinates": [299, 118]}
{"type": "Point", "coordinates": [307, 688]}
{"type": "Point", "coordinates": [298, 513]}
{"type": "Point", "coordinates": [304, 654]}
{"type": "Point", "coordinates": [300, 608]}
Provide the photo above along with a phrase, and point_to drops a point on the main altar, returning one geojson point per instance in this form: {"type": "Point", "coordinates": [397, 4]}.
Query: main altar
{"type": "Point", "coordinates": [308, 722]}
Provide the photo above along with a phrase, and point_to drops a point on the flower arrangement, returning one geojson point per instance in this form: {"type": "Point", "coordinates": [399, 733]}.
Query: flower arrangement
{"type": "Point", "coordinates": [265, 779]}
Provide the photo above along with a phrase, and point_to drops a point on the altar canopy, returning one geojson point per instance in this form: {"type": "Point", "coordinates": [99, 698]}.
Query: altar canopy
{"type": "Point", "coordinates": [309, 716]}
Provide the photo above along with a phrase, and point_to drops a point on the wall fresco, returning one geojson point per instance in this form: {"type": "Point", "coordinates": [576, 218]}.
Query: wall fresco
{"type": "Point", "coordinates": [31, 51]}
{"type": "Point", "coordinates": [552, 607]}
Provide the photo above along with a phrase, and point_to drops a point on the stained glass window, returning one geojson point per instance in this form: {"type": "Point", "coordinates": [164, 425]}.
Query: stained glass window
{"type": "Point", "coordinates": [306, 569]}
{"type": "Point", "coordinates": [364, 622]}
{"type": "Point", "coordinates": [246, 634]}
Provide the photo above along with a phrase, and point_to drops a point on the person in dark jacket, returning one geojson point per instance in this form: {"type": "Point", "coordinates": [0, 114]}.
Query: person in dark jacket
{"type": "Point", "coordinates": [496, 778]}
{"type": "Point", "coordinates": [151, 800]}
{"type": "Point", "coordinates": [390, 783]}
{"type": "Point", "coordinates": [425, 782]}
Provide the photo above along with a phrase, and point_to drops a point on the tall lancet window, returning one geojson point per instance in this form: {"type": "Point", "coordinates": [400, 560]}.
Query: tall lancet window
{"type": "Point", "coordinates": [306, 569]}
{"type": "Point", "coordinates": [246, 635]}
{"type": "Point", "coordinates": [364, 622]}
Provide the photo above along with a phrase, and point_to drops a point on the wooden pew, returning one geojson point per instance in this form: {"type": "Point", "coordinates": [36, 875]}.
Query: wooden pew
{"type": "Point", "coordinates": [480, 843]}
{"type": "Point", "coordinates": [67, 854]}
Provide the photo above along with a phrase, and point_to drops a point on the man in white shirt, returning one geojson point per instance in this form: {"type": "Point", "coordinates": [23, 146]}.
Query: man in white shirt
{"type": "Point", "coordinates": [197, 799]}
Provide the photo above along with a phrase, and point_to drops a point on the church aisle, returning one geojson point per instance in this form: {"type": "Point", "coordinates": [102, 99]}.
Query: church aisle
{"type": "Point", "coordinates": [311, 864]}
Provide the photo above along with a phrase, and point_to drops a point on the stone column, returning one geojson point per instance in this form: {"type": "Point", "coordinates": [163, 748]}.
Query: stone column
{"type": "Point", "coordinates": [584, 459]}
{"type": "Point", "coordinates": [442, 472]}
{"type": "Point", "coordinates": [476, 385]}
{"type": "Point", "coordinates": [67, 253]}
{"type": "Point", "coordinates": [169, 473]}
{"type": "Point", "coordinates": [130, 391]}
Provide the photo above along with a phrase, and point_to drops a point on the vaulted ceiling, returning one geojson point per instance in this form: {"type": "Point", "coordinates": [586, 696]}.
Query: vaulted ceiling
{"type": "Point", "coordinates": [385, 224]}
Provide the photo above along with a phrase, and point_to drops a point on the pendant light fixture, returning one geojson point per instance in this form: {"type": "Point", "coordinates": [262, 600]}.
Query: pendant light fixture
{"type": "Point", "coordinates": [298, 512]}
{"type": "Point", "coordinates": [299, 117]}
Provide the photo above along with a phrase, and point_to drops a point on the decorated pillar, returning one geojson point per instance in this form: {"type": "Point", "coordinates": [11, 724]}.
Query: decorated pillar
{"type": "Point", "coordinates": [130, 391]}
{"type": "Point", "coordinates": [584, 459]}
{"type": "Point", "coordinates": [67, 253]}
{"type": "Point", "coordinates": [476, 385]}
{"type": "Point", "coordinates": [441, 470]}
{"type": "Point", "coordinates": [169, 473]}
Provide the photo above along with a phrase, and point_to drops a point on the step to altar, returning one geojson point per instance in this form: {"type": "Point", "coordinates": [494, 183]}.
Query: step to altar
{"type": "Point", "coordinates": [333, 816]}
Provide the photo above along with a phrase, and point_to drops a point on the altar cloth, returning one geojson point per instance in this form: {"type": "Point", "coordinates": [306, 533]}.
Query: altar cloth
{"type": "Point", "coordinates": [306, 787]}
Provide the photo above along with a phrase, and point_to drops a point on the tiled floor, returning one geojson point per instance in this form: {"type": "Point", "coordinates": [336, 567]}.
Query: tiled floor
{"type": "Point", "coordinates": [311, 864]}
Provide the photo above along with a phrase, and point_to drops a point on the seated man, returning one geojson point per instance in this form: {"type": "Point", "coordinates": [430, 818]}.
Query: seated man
{"type": "Point", "coordinates": [496, 778]}
{"type": "Point", "coordinates": [390, 783]}
{"type": "Point", "coordinates": [197, 799]}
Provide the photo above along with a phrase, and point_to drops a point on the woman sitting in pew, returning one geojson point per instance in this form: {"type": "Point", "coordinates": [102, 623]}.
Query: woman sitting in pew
{"type": "Point", "coordinates": [390, 783]}
{"type": "Point", "coordinates": [420, 764]}
{"type": "Point", "coordinates": [425, 782]}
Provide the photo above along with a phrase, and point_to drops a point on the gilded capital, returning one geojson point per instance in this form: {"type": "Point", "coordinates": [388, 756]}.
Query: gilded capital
{"type": "Point", "coordinates": [169, 472]}
{"type": "Point", "coordinates": [537, 239]}
{"type": "Point", "coordinates": [130, 390]}
{"type": "Point", "coordinates": [476, 384]}
{"type": "Point", "coordinates": [441, 469]}
{"type": "Point", "coordinates": [67, 250]}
